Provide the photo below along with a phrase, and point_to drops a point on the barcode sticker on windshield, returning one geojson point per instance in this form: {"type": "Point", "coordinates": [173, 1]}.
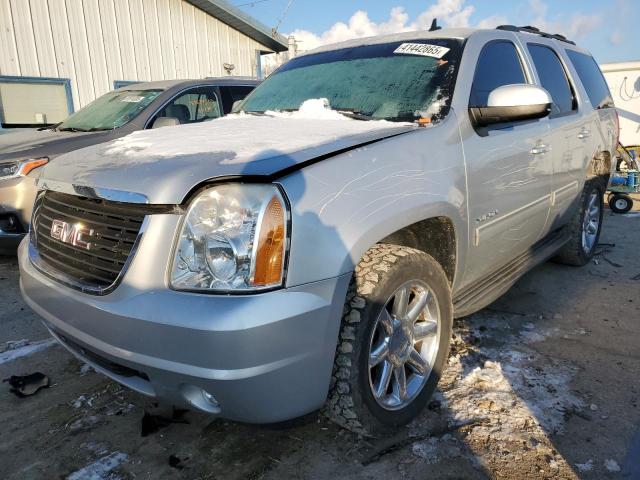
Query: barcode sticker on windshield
{"type": "Point", "coordinates": [422, 49]}
{"type": "Point", "coordinates": [132, 98]}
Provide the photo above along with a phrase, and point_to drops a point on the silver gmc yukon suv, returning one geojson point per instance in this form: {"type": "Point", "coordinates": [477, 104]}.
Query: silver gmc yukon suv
{"type": "Point", "coordinates": [313, 248]}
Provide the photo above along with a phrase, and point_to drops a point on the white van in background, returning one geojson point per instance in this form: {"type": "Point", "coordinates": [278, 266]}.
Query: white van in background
{"type": "Point", "coordinates": [624, 82]}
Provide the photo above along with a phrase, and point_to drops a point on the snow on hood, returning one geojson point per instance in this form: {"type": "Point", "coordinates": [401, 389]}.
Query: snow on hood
{"type": "Point", "coordinates": [166, 163]}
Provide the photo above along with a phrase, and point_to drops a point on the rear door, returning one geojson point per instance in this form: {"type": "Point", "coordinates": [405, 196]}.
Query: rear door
{"type": "Point", "coordinates": [508, 168]}
{"type": "Point", "coordinates": [568, 131]}
{"type": "Point", "coordinates": [599, 128]}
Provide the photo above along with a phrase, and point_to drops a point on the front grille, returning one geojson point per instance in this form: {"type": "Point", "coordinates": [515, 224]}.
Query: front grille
{"type": "Point", "coordinates": [115, 228]}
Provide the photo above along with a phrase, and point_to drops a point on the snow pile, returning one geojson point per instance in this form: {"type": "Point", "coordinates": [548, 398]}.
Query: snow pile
{"type": "Point", "coordinates": [314, 108]}
{"type": "Point", "coordinates": [100, 469]}
{"type": "Point", "coordinates": [23, 348]}
{"type": "Point", "coordinates": [516, 391]}
{"type": "Point", "coordinates": [509, 394]}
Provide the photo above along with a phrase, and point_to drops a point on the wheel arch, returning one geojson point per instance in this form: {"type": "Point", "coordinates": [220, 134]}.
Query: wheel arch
{"type": "Point", "coordinates": [436, 236]}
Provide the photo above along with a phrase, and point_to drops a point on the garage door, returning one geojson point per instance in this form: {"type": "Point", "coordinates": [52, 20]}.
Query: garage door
{"type": "Point", "coordinates": [32, 103]}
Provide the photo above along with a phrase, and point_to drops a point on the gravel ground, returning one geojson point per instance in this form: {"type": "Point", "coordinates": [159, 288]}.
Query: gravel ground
{"type": "Point", "coordinates": [544, 383]}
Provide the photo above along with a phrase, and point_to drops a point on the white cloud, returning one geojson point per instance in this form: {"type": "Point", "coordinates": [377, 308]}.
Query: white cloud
{"type": "Point", "coordinates": [450, 13]}
{"type": "Point", "coordinates": [576, 26]}
{"type": "Point", "coordinates": [616, 37]}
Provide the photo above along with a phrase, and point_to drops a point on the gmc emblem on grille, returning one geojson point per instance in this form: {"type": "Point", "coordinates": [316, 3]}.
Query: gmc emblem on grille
{"type": "Point", "coordinates": [72, 233]}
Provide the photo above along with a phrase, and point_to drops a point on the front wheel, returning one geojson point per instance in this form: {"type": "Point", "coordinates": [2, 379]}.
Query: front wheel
{"type": "Point", "coordinates": [620, 203]}
{"type": "Point", "coordinates": [394, 340]}
{"type": "Point", "coordinates": [585, 227]}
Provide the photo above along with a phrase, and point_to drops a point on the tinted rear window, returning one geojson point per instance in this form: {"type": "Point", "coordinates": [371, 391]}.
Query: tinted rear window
{"type": "Point", "coordinates": [553, 78]}
{"type": "Point", "coordinates": [592, 79]}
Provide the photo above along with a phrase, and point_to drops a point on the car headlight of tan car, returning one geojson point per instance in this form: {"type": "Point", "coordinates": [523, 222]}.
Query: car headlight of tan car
{"type": "Point", "coordinates": [21, 168]}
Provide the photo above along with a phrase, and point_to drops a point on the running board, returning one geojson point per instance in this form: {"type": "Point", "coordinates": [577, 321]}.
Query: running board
{"type": "Point", "coordinates": [483, 292]}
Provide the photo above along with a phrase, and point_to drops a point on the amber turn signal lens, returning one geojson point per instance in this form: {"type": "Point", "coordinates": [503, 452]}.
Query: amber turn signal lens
{"type": "Point", "coordinates": [271, 245]}
{"type": "Point", "coordinates": [29, 165]}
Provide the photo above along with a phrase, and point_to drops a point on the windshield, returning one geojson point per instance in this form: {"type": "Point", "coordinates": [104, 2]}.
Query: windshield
{"type": "Point", "coordinates": [110, 111]}
{"type": "Point", "coordinates": [399, 81]}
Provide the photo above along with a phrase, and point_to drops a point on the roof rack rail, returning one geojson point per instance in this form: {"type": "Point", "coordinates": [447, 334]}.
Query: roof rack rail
{"type": "Point", "coordinates": [535, 31]}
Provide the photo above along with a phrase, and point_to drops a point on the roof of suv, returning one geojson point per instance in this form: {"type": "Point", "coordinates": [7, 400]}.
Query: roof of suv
{"type": "Point", "coordinates": [167, 84]}
{"type": "Point", "coordinates": [457, 33]}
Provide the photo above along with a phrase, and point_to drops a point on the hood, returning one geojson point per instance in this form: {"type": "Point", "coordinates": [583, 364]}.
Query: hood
{"type": "Point", "coordinates": [22, 144]}
{"type": "Point", "coordinates": [165, 164]}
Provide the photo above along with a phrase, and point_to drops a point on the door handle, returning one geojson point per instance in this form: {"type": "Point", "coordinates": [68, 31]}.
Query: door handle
{"type": "Point", "coordinates": [584, 133]}
{"type": "Point", "coordinates": [539, 149]}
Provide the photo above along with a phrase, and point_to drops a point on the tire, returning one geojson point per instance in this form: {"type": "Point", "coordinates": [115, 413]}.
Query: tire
{"type": "Point", "coordinates": [382, 273]}
{"type": "Point", "coordinates": [620, 202]}
{"type": "Point", "coordinates": [576, 251]}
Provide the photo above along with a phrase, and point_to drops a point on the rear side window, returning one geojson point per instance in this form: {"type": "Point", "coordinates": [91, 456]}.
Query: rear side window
{"type": "Point", "coordinates": [230, 95]}
{"type": "Point", "coordinates": [499, 64]}
{"type": "Point", "coordinates": [592, 79]}
{"type": "Point", "coordinates": [553, 78]}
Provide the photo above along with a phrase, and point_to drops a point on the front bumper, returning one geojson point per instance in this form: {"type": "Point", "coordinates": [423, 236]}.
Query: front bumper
{"type": "Point", "coordinates": [264, 357]}
{"type": "Point", "coordinates": [16, 199]}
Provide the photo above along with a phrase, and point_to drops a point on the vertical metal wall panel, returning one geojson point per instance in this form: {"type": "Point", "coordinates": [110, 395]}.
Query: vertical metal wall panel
{"type": "Point", "coordinates": [138, 28]}
{"type": "Point", "coordinates": [191, 43]}
{"type": "Point", "coordinates": [156, 67]}
{"type": "Point", "coordinates": [177, 31]}
{"type": "Point", "coordinates": [96, 45]}
{"type": "Point", "coordinates": [62, 45]}
{"type": "Point", "coordinates": [80, 49]}
{"type": "Point", "coordinates": [9, 64]}
{"type": "Point", "coordinates": [23, 29]}
{"type": "Point", "coordinates": [166, 39]}
{"type": "Point", "coordinates": [125, 37]}
{"type": "Point", "coordinates": [224, 37]}
{"type": "Point", "coordinates": [111, 41]}
{"type": "Point", "coordinates": [43, 38]}
{"type": "Point", "coordinates": [214, 46]}
{"type": "Point", "coordinates": [204, 56]}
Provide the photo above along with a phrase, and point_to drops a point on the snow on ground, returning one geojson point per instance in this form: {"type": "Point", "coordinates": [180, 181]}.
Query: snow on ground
{"type": "Point", "coordinates": [101, 468]}
{"type": "Point", "coordinates": [22, 348]}
{"type": "Point", "coordinates": [509, 393]}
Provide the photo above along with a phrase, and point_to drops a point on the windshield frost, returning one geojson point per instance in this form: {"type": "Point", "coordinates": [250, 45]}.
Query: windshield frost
{"type": "Point", "coordinates": [372, 81]}
{"type": "Point", "coordinates": [110, 111]}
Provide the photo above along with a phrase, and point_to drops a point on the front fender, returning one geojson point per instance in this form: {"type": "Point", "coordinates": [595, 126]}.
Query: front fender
{"type": "Point", "coordinates": [347, 203]}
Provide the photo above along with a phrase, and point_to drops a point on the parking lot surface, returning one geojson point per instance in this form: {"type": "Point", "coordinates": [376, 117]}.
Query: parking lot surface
{"type": "Point", "coordinates": [544, 383]}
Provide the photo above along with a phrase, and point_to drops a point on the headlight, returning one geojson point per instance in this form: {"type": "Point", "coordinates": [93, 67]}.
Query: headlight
{"type": "Point", "coordinates": [233, 238]}
{"type": "Point", "coordinates": [22, 168]}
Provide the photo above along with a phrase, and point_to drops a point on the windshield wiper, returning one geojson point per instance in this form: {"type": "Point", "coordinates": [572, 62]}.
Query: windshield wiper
{"type": "Point", "coordinates": [356, 115]}
{"type": "Point", "coordinates": [50, 127]}
{"type": "Point", "coordinates": [72, 129]}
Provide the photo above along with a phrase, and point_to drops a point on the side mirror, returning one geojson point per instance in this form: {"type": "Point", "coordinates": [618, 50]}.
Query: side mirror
{"type": "Point", "coordinates": [165, 122]}
{"type": "Point", "coordinates": [512, 103]}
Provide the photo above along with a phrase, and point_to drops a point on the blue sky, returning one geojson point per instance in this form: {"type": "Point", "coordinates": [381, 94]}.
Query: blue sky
{"type": "Point", "coordinates": [605, 27]}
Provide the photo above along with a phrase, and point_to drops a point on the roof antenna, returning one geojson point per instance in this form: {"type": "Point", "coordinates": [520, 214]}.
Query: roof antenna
{"type": "Point", "coordinates": [434, 25]}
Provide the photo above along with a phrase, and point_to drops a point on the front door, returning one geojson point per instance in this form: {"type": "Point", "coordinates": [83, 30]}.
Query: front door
{"type": "Point", "coordinates": [509, 171]}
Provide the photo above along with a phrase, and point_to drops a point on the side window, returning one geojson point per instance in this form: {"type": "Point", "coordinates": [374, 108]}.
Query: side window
{"type": "Point", "coordinates": [498, 64]}
{"type": "Point", "coordinates": [592, 79]}
{"type": "Point", "coordinates": [196, 105]}
{"type": "Point", "coordinates": [553, 78]}
{"type": "Point", "coordinates": [233, 94]}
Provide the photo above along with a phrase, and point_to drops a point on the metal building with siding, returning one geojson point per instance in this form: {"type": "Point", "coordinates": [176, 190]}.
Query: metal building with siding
{"type": "Point", "coordinates": [56, 56]}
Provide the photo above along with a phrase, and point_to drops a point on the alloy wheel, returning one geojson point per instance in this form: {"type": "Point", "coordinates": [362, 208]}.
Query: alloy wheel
{"type": "Point", "coordinates": [404, 345]}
